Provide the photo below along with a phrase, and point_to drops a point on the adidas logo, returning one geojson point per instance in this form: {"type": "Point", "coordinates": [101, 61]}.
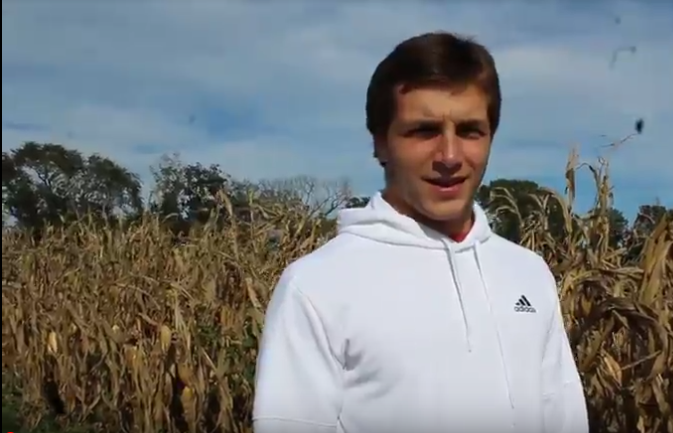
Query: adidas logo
{"type": "Point", "coordinates": [523, 306]}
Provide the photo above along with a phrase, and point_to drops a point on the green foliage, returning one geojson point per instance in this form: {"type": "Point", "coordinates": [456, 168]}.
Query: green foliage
{"type": "Point", "coordinates": [51, 184]}
{"type": "Point", "coordinates": [186, 194]}
{"type": "Point", "coordinates": [189, 195]}
{"type": "Point", "coordinates": [523, 194]}
{"type": "Point", "coordinates": [356, 202]}
{"type": "Point", "coordinates": [649, 216]}
{"type": "Point", "coordinates": [48, 183]}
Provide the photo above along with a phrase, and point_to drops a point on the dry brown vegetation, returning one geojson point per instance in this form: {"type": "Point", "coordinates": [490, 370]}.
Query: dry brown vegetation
{"type": "Point", "coordinates": [129, 330]}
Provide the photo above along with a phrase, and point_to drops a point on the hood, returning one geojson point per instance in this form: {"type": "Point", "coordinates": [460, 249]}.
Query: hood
{"type": "Point", "coordinates": [381, 222]}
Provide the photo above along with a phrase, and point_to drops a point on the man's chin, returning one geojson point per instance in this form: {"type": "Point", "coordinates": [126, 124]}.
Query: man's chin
{"type": "Point", "coordinates": [450, 211]}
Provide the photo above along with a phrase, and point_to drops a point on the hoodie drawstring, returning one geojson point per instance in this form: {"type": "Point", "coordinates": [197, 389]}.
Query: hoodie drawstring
{"type": "Point", "coordinates": [459, 291]}
{"type": "Point", "coordinates": [497, 330]}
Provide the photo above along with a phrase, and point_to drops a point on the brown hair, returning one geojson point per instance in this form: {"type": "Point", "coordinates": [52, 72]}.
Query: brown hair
{"type": "Point", "coordinates": [432, 58]}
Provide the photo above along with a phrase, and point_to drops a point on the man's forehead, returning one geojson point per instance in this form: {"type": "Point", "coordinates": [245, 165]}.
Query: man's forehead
{"type": "Point", "coordinates": [442, 105]}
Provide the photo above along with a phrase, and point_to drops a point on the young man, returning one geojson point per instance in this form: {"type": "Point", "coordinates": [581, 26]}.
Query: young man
{"type": "Point", "coordinates": [416, 317]}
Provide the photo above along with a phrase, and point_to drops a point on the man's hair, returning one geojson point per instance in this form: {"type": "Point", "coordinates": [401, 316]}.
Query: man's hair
{"type": "Point", "coordinates": [437, 58]}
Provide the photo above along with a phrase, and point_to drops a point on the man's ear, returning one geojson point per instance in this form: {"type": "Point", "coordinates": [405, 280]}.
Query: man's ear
{"type": "Point", "coordinates": [381, 150]}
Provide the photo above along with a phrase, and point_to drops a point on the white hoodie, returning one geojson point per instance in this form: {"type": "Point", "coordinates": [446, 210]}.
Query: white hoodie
{"type": "Point", "coordinates": [391, 327]}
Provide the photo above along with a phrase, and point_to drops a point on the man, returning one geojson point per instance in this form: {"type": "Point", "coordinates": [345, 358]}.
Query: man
{"type": "Point", "coordinates": [416, 317]}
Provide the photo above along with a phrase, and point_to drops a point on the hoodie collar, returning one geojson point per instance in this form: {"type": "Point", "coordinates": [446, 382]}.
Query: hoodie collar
{"type": "Point", "coordinates": [380, 221]}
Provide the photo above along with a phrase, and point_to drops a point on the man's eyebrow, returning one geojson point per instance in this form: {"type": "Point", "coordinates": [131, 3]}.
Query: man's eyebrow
{"type": "Point", "coordinates": [478, 123]}
{"type": "Point", "coordinates": [421, 121]}
{"type": "Point", "coordinates": [435, 121]}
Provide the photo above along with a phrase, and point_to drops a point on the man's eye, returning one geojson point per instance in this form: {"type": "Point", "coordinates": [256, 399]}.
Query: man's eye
{"type": "Point", "coordinates": [424, 131]}
{"type": "Point", "coordinates": [471, 133]}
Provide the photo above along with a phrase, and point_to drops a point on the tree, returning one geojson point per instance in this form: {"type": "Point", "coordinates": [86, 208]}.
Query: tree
{"type": "Point", "coordinates": [355, 202]}
{"type": "Point", "coordinates": [189, 194]}
{"type": "Point", "coordinates": [47, 183]}
{"type": "Point", "coordinates": [619, 226]}
{"type": "Point", "coordinates": [511, 203]}
{"type": "Point", "coordinates": [648, 217]}
{"type": "Point", "coordinates": [186, 195]}
{"type": "Point", "coordinates": [292, 203]}
{"type": "Point", "coordinates": [186, 192]}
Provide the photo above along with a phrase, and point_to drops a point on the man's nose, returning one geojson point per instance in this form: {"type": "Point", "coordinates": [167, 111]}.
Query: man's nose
{"type": "Point", "coordinates": [450, 151]}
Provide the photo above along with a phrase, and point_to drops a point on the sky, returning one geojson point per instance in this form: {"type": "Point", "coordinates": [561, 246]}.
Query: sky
{"type": "Point", "coordinates": [276, 89]}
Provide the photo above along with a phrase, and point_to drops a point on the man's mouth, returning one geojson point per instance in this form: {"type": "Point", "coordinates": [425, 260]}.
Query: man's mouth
{"type": "Point", "coordinates": [447, 182]}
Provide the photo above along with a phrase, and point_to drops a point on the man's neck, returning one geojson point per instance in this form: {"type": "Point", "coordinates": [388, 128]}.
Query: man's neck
{"type": "Point", "coordinates": [456, 230]}
{"type": "Point", "coordinates": [460, 236]}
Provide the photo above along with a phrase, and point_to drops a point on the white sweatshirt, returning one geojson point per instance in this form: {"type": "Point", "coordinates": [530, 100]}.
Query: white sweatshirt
{"type": "Point", "coordinates": [393, 328]}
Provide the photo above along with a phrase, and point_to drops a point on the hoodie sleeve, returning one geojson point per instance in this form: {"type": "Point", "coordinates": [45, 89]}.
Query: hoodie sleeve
{"type": "Point", "coordinates": [563, 397]}
{"type": "Point", "coordinates": [298, 377]}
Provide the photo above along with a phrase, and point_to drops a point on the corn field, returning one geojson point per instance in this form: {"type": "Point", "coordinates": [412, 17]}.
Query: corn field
{"type": "Point", "coordinates": [129, 330]}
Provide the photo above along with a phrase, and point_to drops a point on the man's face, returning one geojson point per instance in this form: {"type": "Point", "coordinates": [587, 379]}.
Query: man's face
{"type": "Point", "coordinates": [436, 151]}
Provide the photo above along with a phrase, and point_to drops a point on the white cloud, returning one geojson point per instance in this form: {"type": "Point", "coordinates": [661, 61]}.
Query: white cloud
{"type": "Point", "coordinates": [290, 77]}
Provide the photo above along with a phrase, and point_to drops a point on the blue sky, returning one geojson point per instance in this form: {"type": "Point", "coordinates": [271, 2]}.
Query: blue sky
{"type": "Point", "coordinates": [276, 89]}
